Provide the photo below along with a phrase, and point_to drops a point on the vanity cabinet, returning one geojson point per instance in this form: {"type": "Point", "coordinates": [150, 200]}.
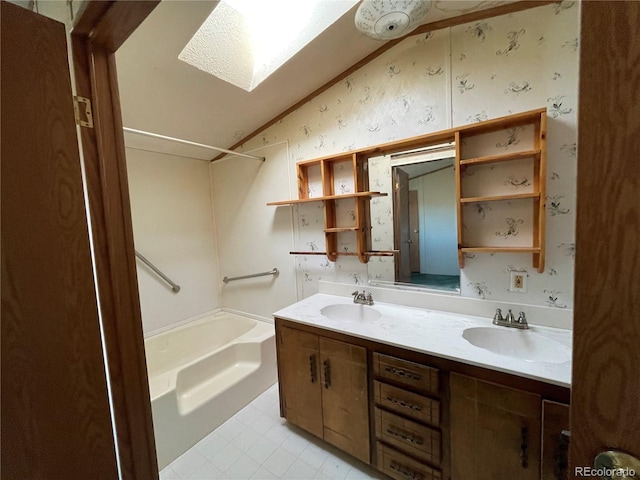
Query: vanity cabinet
{"type": "Point", "coordinates": [555, 441]}
{"type": "Point", "coordinates": [416, 416]}
{"type": "Point", "coordinates": [324, 390]}
{"type": "Point", "coordinates": [495, 431]}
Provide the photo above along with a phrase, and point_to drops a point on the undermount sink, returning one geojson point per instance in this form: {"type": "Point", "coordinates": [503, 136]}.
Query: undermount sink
{"type": "Point", "coordinates": [350, 312]}
{"type": "Point", "coordinates": [519, 344]}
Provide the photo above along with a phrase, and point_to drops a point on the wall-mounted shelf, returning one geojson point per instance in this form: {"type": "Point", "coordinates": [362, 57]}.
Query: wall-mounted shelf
{"type": "Point", "coordinates": [501, 158]}
{"type": "Point", "coordinates": [534, 151]}
{"type": "Point", "coordinates": [381, 253]}
{"type": "Point", "coordinates": [498, 198]}
{"type": "Point", "coordinates": [500, 250]}
{"type": "Point", "coordinates": [328, 197]}
{"type": "Point", "coordinates": [341, 229]}
{"type": "Point", "coordinates": [361, 198]}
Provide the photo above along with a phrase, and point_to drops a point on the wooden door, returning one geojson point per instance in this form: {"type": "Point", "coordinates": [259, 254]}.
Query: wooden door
{"type": "Point", "coordinates": [495, 431]}
{"type": "Point", "coordinates": [401, 224]}
{"type": "Point", "coordinates": [414, 231]}
{"type": "Point", "coordinates": [605, 396]}
{"type": "Point", "coordinates": [345, 399]}
{"type": "Point", "coordinates": [56, 421]}
{"type": "Point", "coordinates": [299, 375]}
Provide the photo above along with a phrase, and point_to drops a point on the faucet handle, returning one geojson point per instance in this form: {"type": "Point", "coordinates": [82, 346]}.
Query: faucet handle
{"type": "Point", "coordinates": [498, 316]}
{"type": "Point", "coordinates": [510, 318]}
{"type": "Point", "coordinates": [522, 319]}
{"type": "Point", "coordinates": [370, 299]}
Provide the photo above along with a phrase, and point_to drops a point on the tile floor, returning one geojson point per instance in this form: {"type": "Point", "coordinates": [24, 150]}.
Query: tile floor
{"type": "Point", "coordinates": [257, 444]}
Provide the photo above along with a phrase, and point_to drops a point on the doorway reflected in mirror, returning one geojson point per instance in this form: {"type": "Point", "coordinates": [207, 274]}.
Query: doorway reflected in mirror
{"type": "Point", "coordinates": [417, 219]}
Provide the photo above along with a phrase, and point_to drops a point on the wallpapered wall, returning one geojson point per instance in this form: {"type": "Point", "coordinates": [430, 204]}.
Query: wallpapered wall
{"type": "Point", "coordinates": [431, 82]}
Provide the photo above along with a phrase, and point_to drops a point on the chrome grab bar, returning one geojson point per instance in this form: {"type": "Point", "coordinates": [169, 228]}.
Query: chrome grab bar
{"type": "Point", "coordinates": [174, 287]}
{"type": "Point", "coordinates": [275, 272]}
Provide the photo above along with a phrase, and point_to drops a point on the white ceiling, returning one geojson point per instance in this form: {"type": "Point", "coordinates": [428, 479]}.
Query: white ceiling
{"type": "Point", "coordinates": [161, 94]}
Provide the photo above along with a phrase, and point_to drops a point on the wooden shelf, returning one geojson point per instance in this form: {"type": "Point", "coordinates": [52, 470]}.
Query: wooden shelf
{"type": "Point", "coordinates": [358, 160]}
{"type": "Point", "coordinates": [362, 196]}
{"type": "Point", "coordinates": [498, 198]}
{"type": "Point", "coordinates": [536, 155]}
{"type": "Point", "coordinates": [341, 229]}
{"type": "Point", "coordinates": [328, 197]}
{"type": "Point", "coordinates": [378, 253]}
{"type": "Point", "coordinates": [501, 158]}
{"type": "Point", "coordinates": [500, 250]}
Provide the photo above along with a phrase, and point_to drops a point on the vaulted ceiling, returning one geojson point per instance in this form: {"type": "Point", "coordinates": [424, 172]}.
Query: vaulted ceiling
{"type": "Point", "coordinates": [162, 94]}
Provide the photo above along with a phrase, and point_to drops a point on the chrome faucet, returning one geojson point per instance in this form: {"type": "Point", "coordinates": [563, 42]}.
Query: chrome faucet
{"type": "Point", "coordinates": [362, 298]}
{"type": "Point", "coordinates": [510, 321]}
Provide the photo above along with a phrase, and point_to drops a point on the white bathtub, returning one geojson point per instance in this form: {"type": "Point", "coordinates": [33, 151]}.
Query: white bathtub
{"type": "Point", "coordinates": [202, 373]}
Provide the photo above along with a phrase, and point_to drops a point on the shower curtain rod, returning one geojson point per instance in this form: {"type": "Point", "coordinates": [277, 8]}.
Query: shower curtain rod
{"type": "Point", "coordinates": [193, 144]}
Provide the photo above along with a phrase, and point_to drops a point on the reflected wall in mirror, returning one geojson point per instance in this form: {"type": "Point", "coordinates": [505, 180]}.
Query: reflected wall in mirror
{"type": "Point", "coordinates": [417, 219]}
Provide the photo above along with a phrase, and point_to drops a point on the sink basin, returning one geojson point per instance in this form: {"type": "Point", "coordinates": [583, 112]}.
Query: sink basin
{"type": "Point", "coordinates": [520, 344]}
{"type": "Point", "coordinates": [350, 312]}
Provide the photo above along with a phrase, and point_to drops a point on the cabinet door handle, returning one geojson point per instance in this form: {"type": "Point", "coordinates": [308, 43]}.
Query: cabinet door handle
{"type": "Point", "coordinates": [405, 472]}
{"type": "Point", "coordinates": [406, 437]}
{"type": "Point", "coordinates": [562, 456]}
{"type": "Point", "coordinates": [524, 446]}
{"type": "Point", "coordinates": [312, 367]}
{"type": "Point", "coordinates": [402, 373]}
{"type": "Point", "coordinates": [404, 404]}
{"type": "Point", "coordinates": [327, 373]}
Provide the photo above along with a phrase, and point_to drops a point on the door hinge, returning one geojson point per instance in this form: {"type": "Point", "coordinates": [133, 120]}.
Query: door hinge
{"type": "Point", "coordinates": [83, 119]}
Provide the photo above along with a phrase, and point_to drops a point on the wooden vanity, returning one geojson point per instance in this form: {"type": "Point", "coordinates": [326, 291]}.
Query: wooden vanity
{"type": "Point", "coordinates": [417, 416]}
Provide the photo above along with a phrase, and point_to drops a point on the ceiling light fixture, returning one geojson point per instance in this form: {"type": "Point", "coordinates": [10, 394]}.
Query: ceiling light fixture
{"type": "Point", "coordinates": [388, 19]}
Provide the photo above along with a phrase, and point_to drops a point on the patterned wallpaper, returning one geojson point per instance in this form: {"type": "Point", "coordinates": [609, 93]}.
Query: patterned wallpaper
{"type": "Point", "coordinates": [431, 82]}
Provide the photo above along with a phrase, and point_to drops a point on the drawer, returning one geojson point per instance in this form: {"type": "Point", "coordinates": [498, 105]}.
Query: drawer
{"type": "Point", "coordinates": [406, 373]}
{"type": "Point", "coordinates": [401, 467]}
{"type": "Point", "coordinates": [407, 403]}
{"type": "Point", "coordinates": [417, 440]}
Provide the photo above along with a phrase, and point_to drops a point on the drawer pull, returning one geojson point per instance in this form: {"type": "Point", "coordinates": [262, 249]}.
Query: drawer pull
{"type": "Point", "coordinates": [405, 472]}
{"type": "Point", "coordinates": [312, 367]}
{"type": "Point", "coordinates": [404, 404]}
{"type": "Point", "coordinates": [524, 446]}
{"type": "Point", "coordinates": [327, 374]}
{"type": "Point", "coordinates": [405, 437]}
{"type": "Point", "coordinates": [403, 373]}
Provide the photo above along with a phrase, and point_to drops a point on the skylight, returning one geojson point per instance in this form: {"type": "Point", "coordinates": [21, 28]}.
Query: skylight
{"type": "Point", "coordinates": [244, 41]}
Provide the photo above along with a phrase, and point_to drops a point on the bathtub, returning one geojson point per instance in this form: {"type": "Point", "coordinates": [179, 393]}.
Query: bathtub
{"type": "Point", "coordinates": [202, 373]}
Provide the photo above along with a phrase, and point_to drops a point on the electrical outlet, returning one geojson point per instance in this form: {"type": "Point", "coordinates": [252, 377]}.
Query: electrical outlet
{"type": "Point", "coordinates": [518, 282]}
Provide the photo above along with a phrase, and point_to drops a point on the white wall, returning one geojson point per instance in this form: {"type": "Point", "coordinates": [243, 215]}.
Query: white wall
{"type": "Point", "coordinates": [173, 228]}
{"type": "Point", "coordinates": [438, 227]}
{"type": "Point", "coordinates": [251, 236]}
{"type": "Point", "coordinates": [431, 82]}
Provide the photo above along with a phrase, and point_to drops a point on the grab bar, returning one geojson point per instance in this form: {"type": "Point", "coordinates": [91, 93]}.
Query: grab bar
{"type": "Point", "coordinates": [174, 287]}
{"type": "Point", "coordinates": [275, 272]}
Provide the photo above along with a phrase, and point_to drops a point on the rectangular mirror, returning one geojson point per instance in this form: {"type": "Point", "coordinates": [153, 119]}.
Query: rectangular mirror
{"type": "Point", "coordinates": [417, 218]}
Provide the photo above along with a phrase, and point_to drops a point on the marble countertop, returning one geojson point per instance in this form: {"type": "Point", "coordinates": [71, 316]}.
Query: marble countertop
{"type": "Point", "coordinates": [432, 332]}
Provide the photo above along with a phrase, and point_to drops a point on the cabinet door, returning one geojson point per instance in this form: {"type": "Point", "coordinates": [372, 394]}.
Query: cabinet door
{"type": "Point", "coordinates": [298, 363]}
{"type": "Point", "coordinates": [345, 399]}
{"type": "Point", "coordinates": [555, 445]}
{"type": "Point", "coordinates": [495, 431]}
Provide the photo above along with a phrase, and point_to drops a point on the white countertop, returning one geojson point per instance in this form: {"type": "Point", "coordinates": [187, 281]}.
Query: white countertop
{"type": "Point", "coordinates": [432, 332]}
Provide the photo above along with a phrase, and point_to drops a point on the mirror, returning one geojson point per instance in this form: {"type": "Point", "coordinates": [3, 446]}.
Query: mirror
{"type": "Point", "coordinates": [417, 218]}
